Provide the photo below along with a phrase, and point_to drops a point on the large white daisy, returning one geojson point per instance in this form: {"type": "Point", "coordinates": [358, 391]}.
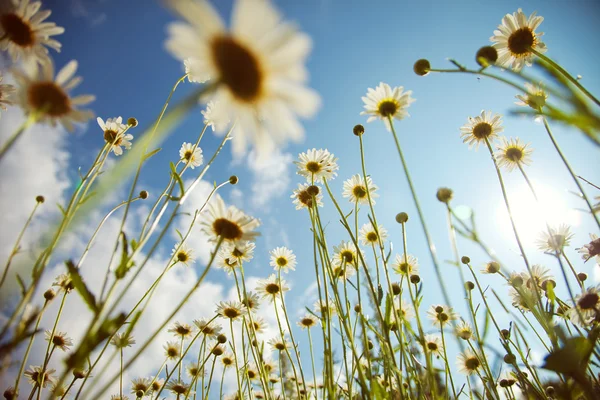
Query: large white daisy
{"type": "Point", "coordinates": [258, 66]}
{"type": "Point", "coordinates": [482, 127]}
{"type": "Point", "coordinates": [384, 102]}
{"type": "Point", "coordinates": [23, 32]}
{"type": "Point", "coordinates": [40, 92]}
{"type": "Point", "coordinates": [515, 38]}
{"type": "Point", "coordinates": [228, 223]}
{"type": "Point", "coordinates": [355, 190]}
{"type": "Point", "coordinates": [316, 165]}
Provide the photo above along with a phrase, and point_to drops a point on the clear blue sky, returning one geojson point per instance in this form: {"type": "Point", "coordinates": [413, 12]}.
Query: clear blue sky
{"type": "Point", "coordinates": [357, 44]}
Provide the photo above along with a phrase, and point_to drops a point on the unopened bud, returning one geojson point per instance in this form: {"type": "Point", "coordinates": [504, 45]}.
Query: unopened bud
{"type": "Point", "coordinates": [143, 194]}
{"type": "Point", "coordinates": [486, 56]}
{"type": "Point", "coordinates": [358, 130]}
{"type": "Point", "coordinates": [233, 180]}
{"type": "Point", "coordinates": [465, 260]}
{"type": "Point", "coordinates": [40, 199]}
{"type": "Point", "coordinates": [444, 194]}
{"type": "Point", "coordinates": [133, 122]}
{"type": "Point", "coordinates": [401, 218]}
{"type": "Point", "coordinates": [469, 285]}
{"type": "Point", "coordinates": [49, 294]}
{"type": "Point", "coordinates": [422, 67]}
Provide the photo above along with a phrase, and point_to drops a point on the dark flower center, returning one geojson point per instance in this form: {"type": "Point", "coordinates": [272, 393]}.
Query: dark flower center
{"type": "Point", "coordinates": [272, 288]}
{"type": "Point", "coordinates": [359, 192]}
{"type": "Point", "coordinates": [521, 41]}
{"type": "Point", "coordinates": [388, 108]}
{"type": "Point", "coordinates": [313, 167]}
{"type": "Point", "coordinates": [49, 98]}
{"type": "Point", "coordinates": [593, 248]}
{"type": "Point", "coordinates": [226, 229]}
{"type": "Point", "coordinates": [238, 68]}
{"type": "Point", "coordinates": [514, 154]}
{"type": "Point", "coordinates": [347, 256]}
{"type": "Point", "coordinates": [188, 155]}
{"type": "Point", "coordinates": [472, 363]}
{"type": "Point", "coordinates": [372, 237]}
{"type": "Point", "coordinates": [307, 322]}
{"type": "Point", "coordinates": [182, 256]}
{"type": "Point", "coordinates": [111, 136]}
{"type": "Point", "coordinates": [231, 313]}
{"type": "Point", "coordinates": [280, 346]}
{"type": "Point", "coordinates": [17, 30]}
{"type": "Point", "coordinates": [305, 198]}
{"type": "Point", "coordinates": [482, 130]}
{"type": "Point", "coordinates": [588, 302]}
{"type": "Point", "coordinates": [281, 261]}
{"type": "Point", "coordinates": [432, 346]}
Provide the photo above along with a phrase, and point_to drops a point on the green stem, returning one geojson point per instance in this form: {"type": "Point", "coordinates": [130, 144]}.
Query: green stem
{"type": "Point", "coordinates": [6, 146]}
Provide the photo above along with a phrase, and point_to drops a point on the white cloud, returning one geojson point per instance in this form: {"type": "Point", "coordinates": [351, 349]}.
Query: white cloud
{"type": "Point", "coordinates": [271, 176]}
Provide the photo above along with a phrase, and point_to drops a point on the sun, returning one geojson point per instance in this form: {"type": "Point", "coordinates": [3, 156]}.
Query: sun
{"type": "Point", "coordinates": [531, 216]}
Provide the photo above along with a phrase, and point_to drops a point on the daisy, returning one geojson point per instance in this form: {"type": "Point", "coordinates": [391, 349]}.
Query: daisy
{"type": "Point", "coordinates": [258, 67]}
{"type": "Point", "coordinates": [384, 103]}
{"type": "Point", "coordinates": [343, 271]}
{"type": "Point", "coordinates": [433, 343]}
{"type": "Point", "coordinates": [539, 274]}
{"type": "Point", "coordinates": [259, 324]}
{"type": "Point", "coordinates": [325, 308]}
{"type": "Point", "coordinates": [37, 376]}
{"type": "Point", "coordinates": [555, 239]}
{"type": "Point", "coordinates": [194, 371]}
{"type": "Point", "coordinates": [406, 264]}
{"type": "Point", "coordinates": [591, 250]}
{"type": "Point", "coordinates": [279, 344]}
{"type": "Point", "coordinates": [283, 259]}
{"type": "Point", "coordinates": [308, 321]}
{"type": "Point", "coordinates": [587, 307]}
{"type": "Point", "coordinates": [64, 282]}
{"type": "Point", "coordinates": [182, 330]}
{"type": "Point", "coordinates": [468, 362]}
{"type": "Point", "coordinates": [122, 340]}
{"type": "Point", "coordinates": [46, 96]}
{"type": "Point", "coordinates": [190, 155]}
{"type": "Point", "coordinates": [172, 351]}
{"type": "Point", "coordinates": [440, 315]}
{"type": "Point", "coordinates": [252, 372]}
{"type": "Point", "coordinates": [306, 196]}
{"type": "Point", "coordinates": [523, 298]}
{"type": "Point", "coordinates": [464, 331]}
{"type": "Point", "coordinates": [231, 309]}
{"type": "Point", "coordinates": [24, 33]}
{"type": "Point", "coordinates": [269, 366]}
{"type": "Point", "coordinates": [355, 190]}
{"type": "Point", "coordinates": [59, 339]}
{"type": "Point", "coordinates": [406, 311]}
{"type": "Point", "coordinates": [251, 301]}
{"type": "Point", "coordinates": [515, 38]}
{"type": "Point", "coordinates": [217, 350]}
{"type": "Point", "coordinates": [207, 327]}
{"type": "Point", "coordinates": [370, 236]}
{"type": "Point", "coordinates": [513, 153]}
{"type": "Point", "coordinates": [114, 134]}
{"type": "Point", "coordinates": [178, 387]}
{"type": "Point", "coordinates": [345, 254]}
{"type": "Point", "coordinates": [491, 267]}
{"type": "Point", "coordinates": [228, 223]}
{"type": "Point", "coordinates": [316, 165]}
{"type": "Point", "coordinates": [535, 98]}
{"type": "Point", "coordinates": [182, 254]}
{"type": "Point", "coordinates": [6, 93]}
{"type": "Point", "coordinates": [272, 287]}
{"type": "Point", "coordinates": [228, 360]}
{"type": "Point", "coordinates": [484, 127]}
{"type": "Point", "coordinates": [232, 255]}
{"type": "Point", "coordinates": [140, 386]}
{"type": "Point", "coordinates": [157, 384]}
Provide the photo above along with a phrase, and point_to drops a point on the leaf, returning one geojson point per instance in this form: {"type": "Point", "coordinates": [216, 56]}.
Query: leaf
{"type": "Point", "coordinates": [80, 286]}
{"type": "Point", "coordinates": [153, 152]}
{"type": "Point", "coordinates": [86, 198]}
{"type": "Point", "coordinates": [379, 295]}
{"type": "Point", "coordinates": [134, 244]}
{"type": "Point", "coordinates": [62, 210]}
{"type": "Point", "coordinates": [573, 357]}
{"type": "Point", "coordinates": [125, 263]}
{"type": "Point", "coordinates": [21, 284]}
{"type": "Point", "coordinates": [177, 178]}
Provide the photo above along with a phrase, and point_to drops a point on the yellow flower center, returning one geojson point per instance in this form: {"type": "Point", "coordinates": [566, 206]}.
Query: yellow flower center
{"type": "Point", "coordinates": [313, 167]}
{"type": "Point", "coordinates": [482, 130]}
{"type": "Point", "coordinates": [359, 192]}
{"type": "Point", "coordinates": [17, 30]}
{"type": "Point", "coordinates": [347, 256]}
{"type": "Point", "coordinates": [281, 261]}
{"type": "Point", "coordinates": [182, 256]}
{"type": "Point", "coordinates": [307, 322]}
{"type": "Point", "coordinates": [372, 237]}
{"type": "Point", "coordinates": [49, 98]}
{"type": "Point", "coordinates": [514, 154]}
{"type": "Point", "coordinates": [188, 155]}
{"type": "Point", "coordinates": [272, 288]}
{"type": "Point", "coordinates": [521, 41]}
{"type": "Point", "coordinates": [388, 107]}
{"type": "Point", "coordinates": [238, 68]}
{"type": "Point", "coordinates": [226, 229]}
{"type": "Point", "coordinates": [231, 313]}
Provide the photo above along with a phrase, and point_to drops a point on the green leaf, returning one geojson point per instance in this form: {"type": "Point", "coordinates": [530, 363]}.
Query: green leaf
{"type": "Point", "coordinates": [134, 244]}
{"type": "Point", "coordinates": [80, 286]}
{"type": "Point", "coordinates": [86, 198]}
{"type": "Point", "coordinates": [125, 263]}
{"type": "Point", "coordinates": [62, 210]}
{"type": "Point", "coordinates": [153, 152]}
{"type": "Point", "coordinates": [573, 357]}
{"type": "Point", "coordinates": [177, 178]}
{"type": "Point", "coordinates": [379, 295]}
{"type": "Point", "coordinates": [21, 284]}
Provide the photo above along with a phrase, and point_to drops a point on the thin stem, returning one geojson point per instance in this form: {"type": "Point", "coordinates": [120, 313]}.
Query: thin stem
{"type": "Point", "coordinates": [6, 146]}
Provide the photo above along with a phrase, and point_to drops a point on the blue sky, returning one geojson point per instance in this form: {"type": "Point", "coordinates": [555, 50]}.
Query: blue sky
{"type": "Point", "coordinates": [120, 49]}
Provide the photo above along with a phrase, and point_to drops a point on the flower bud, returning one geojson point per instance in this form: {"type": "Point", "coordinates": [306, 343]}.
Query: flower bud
{"type": "Point", "coordinates": [486, 56]}
{"type": "Point", "coordinates": [132, 122]}
{"type": "Point", "coordinates": [505, 334]}
{"type": "Point", "coordinates": [143, 194]}
{"type": "Point", "coordinates": [49, 294]}
{"type": "Point", "coordinates": [10, 394]}
{"type": "Point", "coordinates": [465, 260]}
{"type": "Point", "coordinates": [469, 285]}
{"type": "Point", "coordinates": [357, 308]}
{"type": "Point", "coordinates": [222, 338]}
{"type": "Point", "coordinates": [444, 194]}
{"type": "Point", "coordinates": [40, 199]}
{"type": "Point", "coordinates": [510, 359]}
{"type": "Point", "coordinates": [358, 130]}
{"type": "Point", "coordinates": [422, 67]}
{"type": "Point", "coordinates": [582, 276]}
{"type": "Point", "coordinates": [233, 180]}
{"type": "Point", "coordinates": [396, 288]}
{"type": "Point", "coordinates": [415, 279]}
{"type": "Point", "coordinates": [401, 218]}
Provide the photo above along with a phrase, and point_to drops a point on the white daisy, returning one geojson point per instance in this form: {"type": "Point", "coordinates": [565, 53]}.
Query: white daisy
{"type": "Point", "coordinates": [468, 362]}
{"type": "Point", "coordinates": [272, 287]}
{"type": "Point", "coordinates": [515, 38]}
{"type": "Point", "coordinates": [587, 307]}
{"type": "Point", "coordinates": [539, 274]}
{"type": "Point", "coordinates": [555, 239]}
{"type": "Point", "coordinates": [209, 120]}
{"type": "Point", "coordinates": [306, 196]}
{"type": "Point", "coordinates": [316, 165]}
{"type": "Point", "coordinates": [480, 128]}
{"type": "Point", "coordinates": [383, 103]}
{"type": "Point", "coordinates": [24, 33]}
{"type": "Point", "coordinates": [228, 223]}
{"type": "Point", "coordinates": [523, 298]}
{"type": "Point", "coordinates": [433, 343]}
{"type": "Point", "coordinates": [345, 254]}
{"type": "Point", "coordinates": [406, 311]}
{"type": "Point", "coordinates": [6, 94]}
{"type": "Point", "coordinates": [114, 134]}
{"type": "Point", "coordinates": [371, 236]}
{"type": "Point", "coordinates": [406, 265]}
{"type": "Point", "coordinates": [323, 307]}
{"type": "Point", "coordinates": [182, 254]}
{"type": "Point", "coordinates": [258, 67]}
{"type": "Point", "coordinates": [535, 98]}
{"type": "Point", "coordinates": [440, 315]}
{"type": "Point", "coordinates": [591, 250]}
{"type": "Point", "coordinates": [283, 259]}
{"type": "Point", "coordinates": [513, 153]}
{"type": "Point", "coordinates": [231, 309]}
{"type": "Point", "coordinates": [355, 190]}
{"type": "Point", "coordinates": [39, 92]}
{"type": "Point", "coordinates": [191, 156]}
{"type": "Point", "coordinates": [232, 255]}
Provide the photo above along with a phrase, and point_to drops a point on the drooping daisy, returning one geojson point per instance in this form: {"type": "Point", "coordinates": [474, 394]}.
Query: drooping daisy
{"type": "Point", "coordinates": [307, 196]}
{"type": "Point", "coordinates": [463, 330]}
{"type": "Point", "coordinates": [481, 128]}
{"type": "Point", "coordinates": [272, 287]}
{"type": "Point", "coordinates": [355, 190]}
{"type": "Point", "coordinates": [258, 67]}
{"type": "Point", "coordinates": [468, 362]}
{"type": "Point", "coordinates": [36, 375]}
{"type": "Point", "coordinates": [515, 38]}
{"type": "Point", "coordinates": [182, 330]}
{"type": "Point", "coordinates": [433, 344]}
{"type": "Point", "coordinates": [140, 386]}
{"type": "Point", "coordinates": [316, 165]}
{"type": "Point", "coordinates": [178, 387]}
{"type": "Point", "coordinates": [587, 307]}
{"type": "Point", "coordinates": [283, 259]}
{"type": "Point", "coordinates": [513, 153]}
{"type": "Point", "coordinates": [231, 309]}
{"type": "Point", "coordinates": [370, 236]}
{"type": "Point", "coordinates": [24, 31]}
{"type": "Point", "coordinates": [228, 223]}
{"type": "Point", "coordinates": [207, 327]}
{"type": "Point", "coordinates": [182, 254]}
{"type": "Point", "coordinates": [122, 340]}
{"type": "Point", "coordinates": [48, 97]}
{"type": "Point", "coordinates": [535, 98]}
{"type": "Point", "coordinates": [114, 134]}
{"type": "Point", "coordinates": [591, 250]}
{"type": "Point", "coordinates": [6, 94]}
{"type": "Point", "coordinates": [191, 156]}
{"type": "Point", "coordinates": [406, 264]}
{"type": "Point", "coordinates": [441, 315]}
{"type": "Point", "coordinates": [555, 239]}
{"type": "Point", "coordinates": [59, 339]}
{"type": "Point", "coordinates": [308, 321]}
{"type": "Point", "coordinates": [383, 103]}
